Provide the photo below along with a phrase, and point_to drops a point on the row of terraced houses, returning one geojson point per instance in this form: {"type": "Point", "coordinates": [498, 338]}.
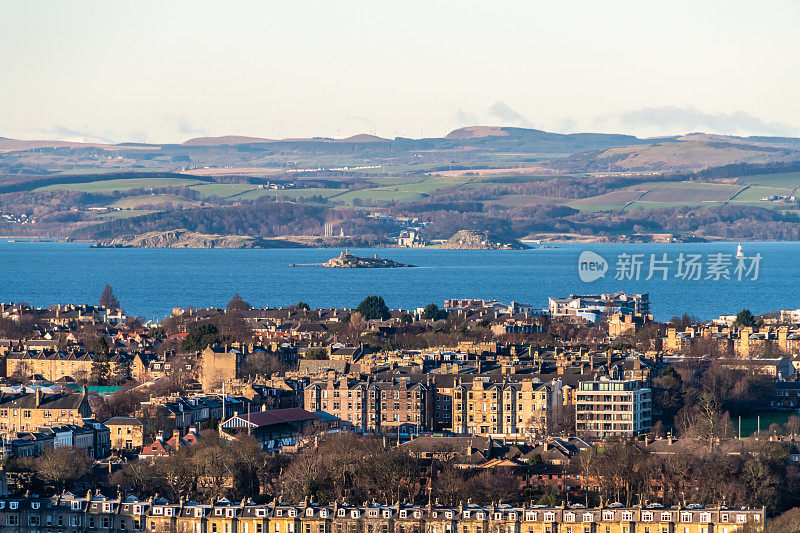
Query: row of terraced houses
{"type": "Point", "coordinates": [95, 513]}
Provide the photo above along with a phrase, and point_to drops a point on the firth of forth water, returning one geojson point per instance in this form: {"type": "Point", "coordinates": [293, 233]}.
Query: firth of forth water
{"type": "Point", "coordinates": [150, 282]}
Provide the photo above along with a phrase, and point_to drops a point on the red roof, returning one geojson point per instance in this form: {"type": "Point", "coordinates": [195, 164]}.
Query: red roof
{"type": "Point", "coordinates": [155, 448]}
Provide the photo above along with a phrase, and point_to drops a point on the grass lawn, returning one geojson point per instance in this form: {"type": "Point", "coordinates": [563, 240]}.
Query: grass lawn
{"type": "Point", "coordinates": [750, 425]}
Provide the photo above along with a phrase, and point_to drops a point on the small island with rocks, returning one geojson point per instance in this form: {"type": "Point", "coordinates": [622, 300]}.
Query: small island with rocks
{"type": "Point", "coordinates": [348, 260]}
{"type": "Point", "coordinates": [480, 240]}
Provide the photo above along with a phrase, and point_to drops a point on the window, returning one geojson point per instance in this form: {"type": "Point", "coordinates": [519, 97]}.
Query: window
{"type": "Point", "coordinates": [608, 516]}
{"type": "Point", "coordinates": [705, 517]}
{"type": "Point", "coordinates": [666, 517]}
{"type": "Point", "coordinates": [626, 516]}
{"type": "Point", "coordinates": [647, 516]}
{"type": "Point", "coordinates": [741, 518]}
{"type": "Point", "coordinates": [569, 517]}
{"type": "Point", "coordinates": [686, 517]}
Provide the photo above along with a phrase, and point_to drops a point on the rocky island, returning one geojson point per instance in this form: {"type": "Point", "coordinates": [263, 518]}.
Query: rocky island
{"type": "Point", "coordinates": [480, 240]}
{"type": "Point", "coordinates": [348, 260]}
{"type": "Point", "coordinates": [180, 238]}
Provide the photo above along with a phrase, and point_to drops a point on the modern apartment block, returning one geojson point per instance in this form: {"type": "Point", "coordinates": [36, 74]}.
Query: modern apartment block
{"type": "Point", "coordinates": [612, 408]}
{"type": "Point", "coordinates": [592, 306]}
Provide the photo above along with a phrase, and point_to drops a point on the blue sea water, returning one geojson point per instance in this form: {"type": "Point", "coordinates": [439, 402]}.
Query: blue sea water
{"type": "Point", "coordinates": [150, 282]}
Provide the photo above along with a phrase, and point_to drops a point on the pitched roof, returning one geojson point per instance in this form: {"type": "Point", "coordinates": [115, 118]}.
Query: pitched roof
{"type": "Point", "coordinates": [278, 416]}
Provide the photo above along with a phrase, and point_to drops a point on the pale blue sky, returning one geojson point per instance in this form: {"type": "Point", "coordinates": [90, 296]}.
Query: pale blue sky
{"type": "Point", "coordinates": [165, 71]}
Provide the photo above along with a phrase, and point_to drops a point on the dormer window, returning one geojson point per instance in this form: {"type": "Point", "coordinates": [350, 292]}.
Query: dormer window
{"type": "Point", "coordinates": [310, 511]}
{"type": "Point", "coordinates": [512, 516]}
{"type": "Point", "coordinates": [530, 516]}
{"type": "Point", "coordinates": [323, 513]}
{"type": "Point", "coordinates": [373, 513]}
{"type": "Point", "coordinates": [417, 514]}
{"type": "Point", "coordinates": [137, 509]}
{"type": "Point", "coordinates": [549, 517]}
{"type": "Point", "coordinates": [14, 505]}
{"type": "Point", "coordinates": [466, 514]}
{"type": "Point", "coordinates": [198, 513]}
{"type": "Point", "coordinates": [498, 516]}
{"type": "Point", "coordinates": [354, 513]}
{"type": "Point", "coordinates": [448, 514]}
{"type": "Point", "coordinates": [260, 513]}
{"type": "Point", "coordinates": [387, 513]}
{"type": "Point", "coordinates": [479, 516]}
{"type": "Point", "coordinates": [278, 512]}
{"type": "Point", "coordinates": [156, 510]}
{"type": "Point", "coordinates": [588, 517]}
{"type": "Point", "coordinates": [35, 505]}
{"type": "Point", "coordinates": [106, 507]}
{"type": "Point", "coordinates": [340, 512]}
{"type": "Point", "coordinates": [230, 513]}
{"type": "Point", "coordinates": [292, 513]}
{"type": "Point", "coordinates": [608, 516]}
{"type": "Point", "coordinates": [168, 511]}
{"type": "Point", "coordinates": [217, 512]}
{"type": "Point", "coordinates": [569, 517]}
{"type": "Point", "coordinates": [403, 514]}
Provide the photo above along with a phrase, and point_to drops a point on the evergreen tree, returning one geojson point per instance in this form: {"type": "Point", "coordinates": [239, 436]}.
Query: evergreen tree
{"type": "Point", "coordinates": [237, 304]}
{"type": "Point", "coordinates": [200, 337]}
{"type": "Point", "coordinates": [107, 299]}
{"type": "Point", "coordinates": [374, 308]}
{"type": "Point", "coordinates": [101, 370]}
{"type": "Point", "coordinates": [431, 312]}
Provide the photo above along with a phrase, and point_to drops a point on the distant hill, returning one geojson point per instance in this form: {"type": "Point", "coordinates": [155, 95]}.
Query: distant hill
{"type": "Point", "coordinates": [225, 140]}
{"type": "Point", "coordinates": [462, 149]}
{"type": "Point", "coordinates": [13, 145]}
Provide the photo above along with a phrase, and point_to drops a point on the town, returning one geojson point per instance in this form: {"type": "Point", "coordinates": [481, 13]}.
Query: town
{"type": "Point", "coordinates": [584, 415]}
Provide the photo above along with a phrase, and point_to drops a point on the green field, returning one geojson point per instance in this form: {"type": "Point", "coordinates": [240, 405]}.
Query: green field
{"type": "Point", "coordinates": [788, 180]}
{"type": "Point", "coordinates": [754, 194]}
{"type": "Point", "coordinates": [121, 184]}
{"type": "Point", "coordinates": [750, 424]}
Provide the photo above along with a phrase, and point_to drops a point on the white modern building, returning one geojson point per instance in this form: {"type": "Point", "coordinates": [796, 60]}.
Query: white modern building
{"type": "Point", "coordinates": [612, 408]}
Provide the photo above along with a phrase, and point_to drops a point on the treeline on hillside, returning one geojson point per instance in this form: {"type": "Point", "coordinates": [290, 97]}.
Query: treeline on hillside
{"type": "Point", "coordinates": [52, 200]}
{"type": "Point", "coordinates": [266, 219]}
{"type": "Point", "coordinates": [28, 183]}
{"type": "Point", "coordinates": [734, 222]}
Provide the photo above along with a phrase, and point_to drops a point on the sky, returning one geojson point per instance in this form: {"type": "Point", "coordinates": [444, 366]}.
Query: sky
{"type": "Point", "coordinates": [156, 71]}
